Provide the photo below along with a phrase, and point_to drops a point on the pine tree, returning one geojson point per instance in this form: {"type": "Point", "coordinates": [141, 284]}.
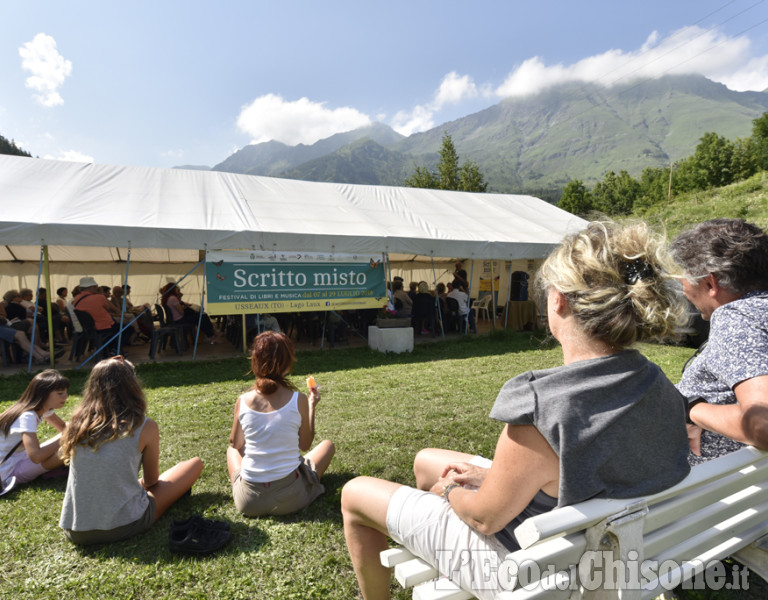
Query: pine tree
{"type": "Point", "coordinates": [449, 175]}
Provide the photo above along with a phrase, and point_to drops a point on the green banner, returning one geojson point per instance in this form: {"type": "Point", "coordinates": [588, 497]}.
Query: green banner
{"type": "Point", "coordinates": [245, 282]}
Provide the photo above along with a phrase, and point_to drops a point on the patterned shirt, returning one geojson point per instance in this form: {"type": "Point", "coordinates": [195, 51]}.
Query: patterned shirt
{"type": "Point", "coordinates": [737, 350]}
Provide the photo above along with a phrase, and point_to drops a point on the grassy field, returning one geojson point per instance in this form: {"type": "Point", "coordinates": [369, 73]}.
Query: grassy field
{"type": "Point", "coordinates": [378, 409]}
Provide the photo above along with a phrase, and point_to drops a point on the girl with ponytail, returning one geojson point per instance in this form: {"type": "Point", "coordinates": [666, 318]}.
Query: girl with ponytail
{"type": "Point", "coordinates": [273, 424]}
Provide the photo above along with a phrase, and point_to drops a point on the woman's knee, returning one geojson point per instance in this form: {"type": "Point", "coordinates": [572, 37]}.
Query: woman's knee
{"type": "Point", "coordinates": [356, 495]}
{"type": "Point", "coordinates": [193, 468]}
{"type": "Point", "coordinates": [365, 501]}
{"type": "Point", "coordinates": [351, 493]}
{"type": "Point", "coordinates": [329, 448]}
{"type": "Point", "coordinates": [426, 465]}
{"type": "Point", "coordinates": [196, 465]}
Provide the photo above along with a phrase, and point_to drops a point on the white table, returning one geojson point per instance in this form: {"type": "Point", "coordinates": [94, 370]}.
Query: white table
{"type": "Point", "coordinates": [390, 339]}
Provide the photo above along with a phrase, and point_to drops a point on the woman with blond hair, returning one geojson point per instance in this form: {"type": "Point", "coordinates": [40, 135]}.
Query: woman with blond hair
{"type": "Point", "coordinates": [608, 423]}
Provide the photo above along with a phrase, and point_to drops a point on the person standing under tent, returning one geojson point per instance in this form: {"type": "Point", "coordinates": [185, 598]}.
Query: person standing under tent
{"type": "Point", "coordinates": [460, 276]}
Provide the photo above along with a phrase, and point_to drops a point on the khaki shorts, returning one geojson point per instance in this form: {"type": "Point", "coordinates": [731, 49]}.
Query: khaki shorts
{"type": "Point", "coordinates": [102, 536]}
{"type": "Point", "coordinates": [282, 497]}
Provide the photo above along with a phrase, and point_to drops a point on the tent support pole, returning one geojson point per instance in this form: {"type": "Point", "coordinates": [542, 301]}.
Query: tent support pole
{"type": "Point", "coordinates": [15, 258]}
{"type": "Point", "coordinates": [509, 295]}
{"type": "Point", "coordinates": [388, 282]}
{"type": "Point", "coordinates": [322, 333]}
{"type": "Point", "coordinates": [493, 302]}
{"type": "Point", "coordinates": [37, 303]}
{"type": "Point", "coordinates": [202, 307]}
{"type": "Point", "coordinates": [469, 295]}
{"type": "Point", "coordinates": [437, 296]}
{"type": "Point", "coordinates": [48, 310]}
{"type": "Point", "coordinates": [122, 308]}
{"type": "Point", "coordinates": [245, 333]}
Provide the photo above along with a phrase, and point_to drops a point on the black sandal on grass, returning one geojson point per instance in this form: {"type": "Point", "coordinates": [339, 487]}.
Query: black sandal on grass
{"type": "Point", "coordinates": [197, 538]}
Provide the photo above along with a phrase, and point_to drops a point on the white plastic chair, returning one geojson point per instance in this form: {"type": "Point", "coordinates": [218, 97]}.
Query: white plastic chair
{"type": "Point", "coordinates": [482, 305]}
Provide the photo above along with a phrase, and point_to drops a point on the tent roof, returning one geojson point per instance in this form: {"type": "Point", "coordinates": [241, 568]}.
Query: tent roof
{"type": "Point", "coordinates": [90, 205]}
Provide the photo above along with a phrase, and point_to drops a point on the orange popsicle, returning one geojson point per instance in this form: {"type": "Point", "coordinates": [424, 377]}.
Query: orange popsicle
{"type": "Point", "coordinates": [311, 382]}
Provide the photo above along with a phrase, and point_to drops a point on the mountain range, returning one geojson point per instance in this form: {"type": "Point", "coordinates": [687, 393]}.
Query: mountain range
{"type": "Point", "coordinates": [533, 144]}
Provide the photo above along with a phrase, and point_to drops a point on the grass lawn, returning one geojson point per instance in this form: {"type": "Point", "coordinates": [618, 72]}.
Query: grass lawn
{"type": "Point", "coordinates": [378, 409]}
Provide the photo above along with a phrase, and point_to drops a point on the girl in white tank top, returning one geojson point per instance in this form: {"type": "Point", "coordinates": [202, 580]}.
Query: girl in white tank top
{"type": "Point", "coordinates": [273, 424]}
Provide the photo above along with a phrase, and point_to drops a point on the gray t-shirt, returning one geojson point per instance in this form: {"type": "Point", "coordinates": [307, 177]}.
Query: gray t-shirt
{"type": "Point", "coordinates": [737, 350]}
{"type": "Point", "coordinates": [103, 489]}
{"type": "Point", "coordinates": [616, 423]}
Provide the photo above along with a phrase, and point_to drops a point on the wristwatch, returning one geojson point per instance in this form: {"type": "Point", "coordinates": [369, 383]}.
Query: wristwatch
{"type": "Point", "coordinates": [691, 403]}
{"type": "Point", "coordinates": [447, 489]}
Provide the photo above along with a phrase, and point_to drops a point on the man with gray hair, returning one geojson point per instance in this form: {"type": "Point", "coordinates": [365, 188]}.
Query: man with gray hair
{"type": "Point", "coordinates": [725, 264]}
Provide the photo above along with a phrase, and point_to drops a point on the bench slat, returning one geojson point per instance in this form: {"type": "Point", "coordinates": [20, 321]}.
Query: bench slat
{"type": "Point", "coordinates": [707, 547]}
{"type": "Point", "coordinates": [413, 572]}
{"type": "Point", "coordinates": [553, 590]}
{"type": "Point", "coordinates": [703, 519]}
{"type": "Point", "coordinates": [727, 548]}
{"type": "Point", "coordinates": [674, 509]}
{"type": "Point", "coordinates": [394, 556]}
{"type": "Point", "coordinates": [440, 589]}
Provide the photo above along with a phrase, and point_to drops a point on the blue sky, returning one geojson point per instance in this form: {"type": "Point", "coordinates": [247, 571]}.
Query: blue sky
{"type": "Point", "coordinates": [162, 83]}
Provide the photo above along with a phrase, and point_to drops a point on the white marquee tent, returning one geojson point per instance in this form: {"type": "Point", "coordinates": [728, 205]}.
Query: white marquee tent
{"type": "Point", "coordinates": [90, 216]}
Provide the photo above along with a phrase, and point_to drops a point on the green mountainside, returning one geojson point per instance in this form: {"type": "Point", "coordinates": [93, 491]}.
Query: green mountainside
{"type": "Point", "coordinates": [746, 199]}
{"type": "Point", "coordinates": [363, 161]}
{"type": "Point", "coordinates": [275, 158]}
{"type": "Point", "coordinates": [584, 131]}
{"type": "Point", "coordinates": [534, 144]}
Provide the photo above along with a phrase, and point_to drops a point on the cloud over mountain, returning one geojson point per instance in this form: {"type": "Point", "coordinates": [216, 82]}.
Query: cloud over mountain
{"type": "Point", "coordinates": [271, 117]}
{"type": "Point", "coordinates": [688, 51]}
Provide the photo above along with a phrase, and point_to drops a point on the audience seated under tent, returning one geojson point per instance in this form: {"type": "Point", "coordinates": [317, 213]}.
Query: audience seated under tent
{"type": "Point", "coordinates": [424, 311]}
{"type": "Point", "coordinates": [91, 301]}
{"type": "Point", "coordinates": [184, 314]}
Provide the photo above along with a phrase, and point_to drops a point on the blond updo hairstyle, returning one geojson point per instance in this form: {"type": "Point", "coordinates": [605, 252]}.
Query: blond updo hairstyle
{"type": "Point", "coordinates": [619, 281]}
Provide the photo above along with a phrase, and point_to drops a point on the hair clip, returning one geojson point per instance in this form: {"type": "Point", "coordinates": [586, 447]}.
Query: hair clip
{"type": "Point", "coordinates": [637, 270]}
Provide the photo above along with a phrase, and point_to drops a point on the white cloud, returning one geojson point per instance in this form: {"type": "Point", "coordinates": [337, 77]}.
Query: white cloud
{"type": "Point", "coordinates": [47, 68]}
{"type": "Point", "coordinates": [454, 88]}
{"type": "Point", "coordinates": [71, 156]}
{"type": "Point", "coordinates": [420, 118]}
{"type": "Point", "coordinates": [270, 117]}
{"type": "Point", "coordinates": [173, 154]}
{"type": "Point", "coordinates": [691, 50]}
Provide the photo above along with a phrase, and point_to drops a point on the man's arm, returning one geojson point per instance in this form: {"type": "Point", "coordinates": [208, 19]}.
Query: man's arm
{"type": "Point", "coordinates": [746, 421]}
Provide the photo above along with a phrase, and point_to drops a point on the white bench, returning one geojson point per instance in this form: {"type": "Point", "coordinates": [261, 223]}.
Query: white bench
{"type": "Point", "coordinates": [719, 510]}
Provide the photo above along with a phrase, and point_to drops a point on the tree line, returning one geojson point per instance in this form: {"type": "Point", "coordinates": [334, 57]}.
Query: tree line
{"type": "Point", "coordinates": [10, 147]}
{"type": "Point", "coordinates": [716, 162]}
